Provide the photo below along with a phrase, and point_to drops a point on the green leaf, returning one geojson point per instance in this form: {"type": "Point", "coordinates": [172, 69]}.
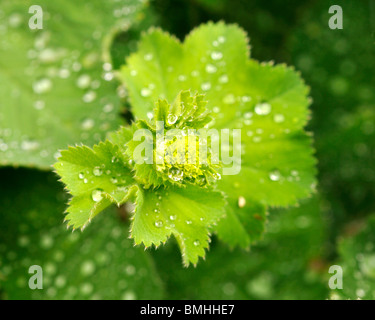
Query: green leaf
{"type": "Point", "coordinates": [186, 213]}
{"type": "Point", "coordinates": [55, 89]}
{"type": "Point", "coordinates": [173, 133]}
{"type": "Point", "coordinates": [287, 264]}
{"type": "Point", "coordinates": [275, 172]}
{"type": "Point", "coordinates": [244, 223]}
{"type": "Point", "coordinates": [268, 103]}
{"type": "Point", "coordinates": [357, 260]}
{"type": "Point", "coordinates": [103, 175]}
{"type": "Point", "coordinates": [96, 178]}
{"type": "Point", "coordinates": [150, 75]}
{"type": "Point", "coordinates": [100, 263]}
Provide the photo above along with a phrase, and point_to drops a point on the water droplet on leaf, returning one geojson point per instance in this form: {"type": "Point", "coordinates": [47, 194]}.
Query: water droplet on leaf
{"type": "Point", "coordinates": [97, 171]}
{"type": "Point", "coordinates": [158, 224]}
{"type": "Point", "coordinates": [275, 175]}
{"type": "Point", "coordinates": [263, 109]}
{"type": "Point", "coordinates": [97, 195]}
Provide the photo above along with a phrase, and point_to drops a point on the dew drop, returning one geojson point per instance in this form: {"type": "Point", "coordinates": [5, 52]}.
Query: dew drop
{"type": "Point", "coordinates": [158, 224]}
{"type": "Point", "coordinates": [76, 66]}
{"type": "Point", "coordinates": [39, 105]}
{"type": "Point", "coordinates": [42, 86]}
{"type": "Point", "coordinates": [216, 55]}
{"type": "Point", "coordinates": [241, 202]}
{"type": "Point", "coordinates": [60, 281]}
{"type": "Point", "coordinates": [221, 39]}
{"type": "Point", "coordinates": [175, 174]}
{"type": "Point", "coordinates": [148, 56]}
{"type": "Point", "coordinates": [248, 115]}
{"type": "Point", "coordinates": [246, 99]}
{"type": "Point", "coordinates": [206, 86]}
{"type": "Point", "coordinates": [29, 145]}
{"type": "Point", "coordinates": [275, 175]}
{"type": "Point", "coordinates": [108, 76]}
{"type": "Point", "coordinates": [83, 81]}
{"type": "Point", "coordinates": [89, 97]}
{"type": "Point", "coordinates": [87, 124]}
{"type": "Point", "coordinates": [97, 195]}
{"type": "Point", "coordinates": [129, 295]}
{"type": "Point", "coordinates": [145, 92]}
{"type": "Point", "coordinates": [130, 270]}
{"type": "Point", "coordinates": [194, 73]}
{"type": "Point", "coordinates": [87, 268]}
{"type": "Point", "coordinates": [50, 268]}
{"type": "Point", "coordinates": [229, 99]}
{"type": "Point", "coordinates": [64, 73]}
{"type": "Point", "coordinates": [107, 66]}
{"type": "Point", "coordinates": [15, 20]}
{"type": "Point", "coordinates": [3, 147]}
{"type": "Point", "coordinates": [360, 293]}
{"type": "Point", "coordinates": [23, 241]}
{"type": "Point", "coordinates": [217, 176]}
{"type": "Point", "coordinates": [86, 288]}
{"type": "Point", "coordinates": [196, 243]}
{"type": "Point", "coordinates": [223, 79]}
{"type": "Point", "coordinates": [278, 118]}
{"type": "Point", "coordinates": [262, 109]}
{"type": "Point", "coordinates": [46, 242]}
{"type": "Point", "coordinates": [108, 108]}
{"type": "Point", "coordinates": [210, 68]}
{"type": "Point", "coordinates": [97, 172]}
{"type": "Point", "coordinates": [294, 173]}
{"type": "Point", "coordinates": [172, 118]}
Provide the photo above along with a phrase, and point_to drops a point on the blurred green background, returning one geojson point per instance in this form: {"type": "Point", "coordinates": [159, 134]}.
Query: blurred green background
{"type": "Point", "coordinates": [293, 258]}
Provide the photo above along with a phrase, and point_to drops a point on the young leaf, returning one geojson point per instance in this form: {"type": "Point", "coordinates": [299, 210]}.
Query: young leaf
{"type": "Point", "coordinates": [96, 178]}
{"type": "Point", "coordinates": [179, 151]}
{"type": "Point", "coordinates": [110, 173]}
{"type": "Point", "coordinates": [268, 103]}
{"type": "Point", "coordinates": [55, 89]}
{"type": "Point", "coordinates": [186, 213]}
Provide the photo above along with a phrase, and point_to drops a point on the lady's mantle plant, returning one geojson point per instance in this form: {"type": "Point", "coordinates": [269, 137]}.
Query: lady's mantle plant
{"type": "Point", "coordinates": [209, 82]}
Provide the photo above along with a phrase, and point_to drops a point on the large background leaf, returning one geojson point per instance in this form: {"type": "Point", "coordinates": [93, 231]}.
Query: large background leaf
{"type": "Point", "coordinates": [100, 263]}
{"type": "Point", "coordinates": [55, 89]}
{"type": "Point", "coordinates": [357, 260]}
